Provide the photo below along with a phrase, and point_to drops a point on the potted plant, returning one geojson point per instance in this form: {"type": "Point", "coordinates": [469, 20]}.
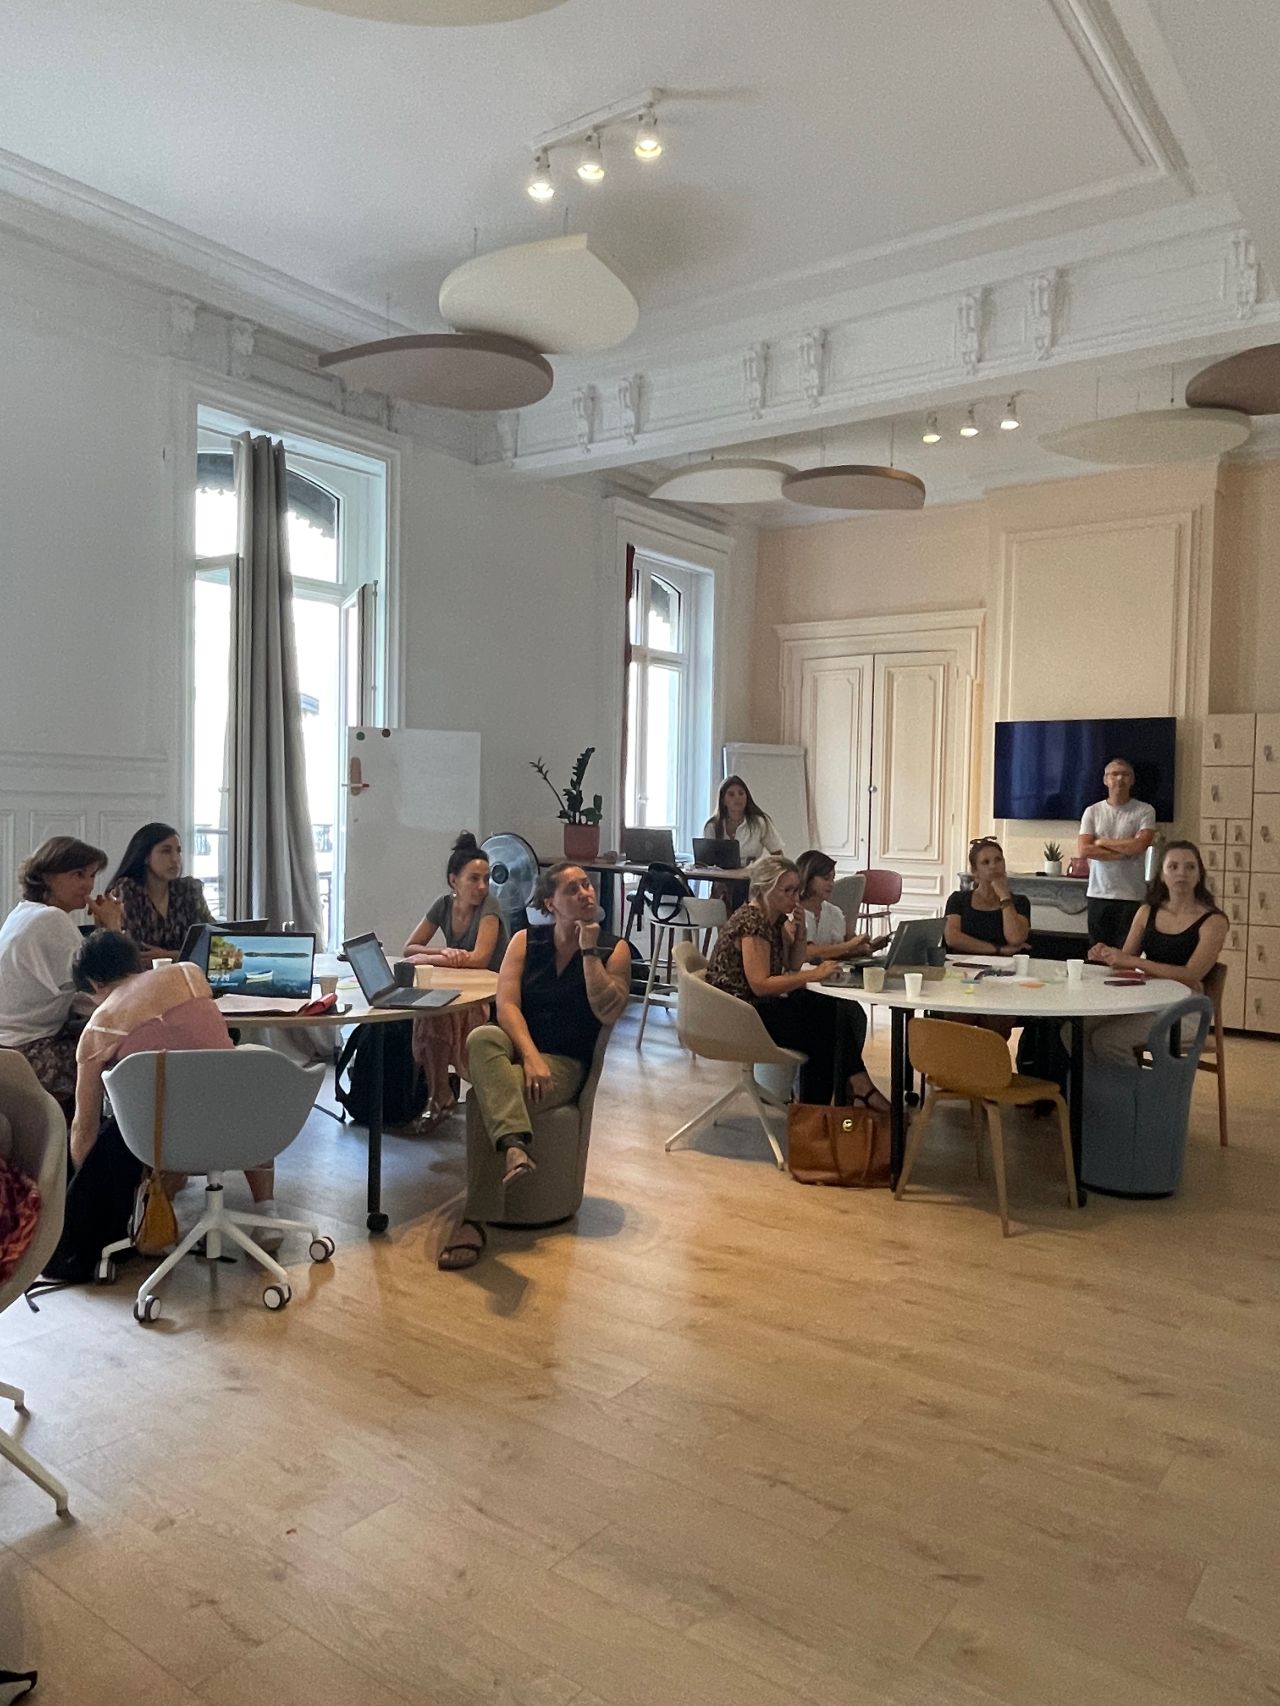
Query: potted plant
{"type": "Point", "coordinates": [581, 822]}
{"type": "Point", "coordinates": [1052, 859]}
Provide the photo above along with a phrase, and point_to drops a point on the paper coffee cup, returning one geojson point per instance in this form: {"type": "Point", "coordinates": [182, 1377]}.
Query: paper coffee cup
{"type": "Point", "coordinates": [873, 978]}
{"type": "Point", "coordinates": [1022, 964]}
{"type": "Point", "coordinates": [1075, 971]}
{"type": "Point", "coordinates": [914, 982]}
{"type": "Point", "coordinates": [422, 977]}
{"type": "Point", "coordinates": [328, 984]}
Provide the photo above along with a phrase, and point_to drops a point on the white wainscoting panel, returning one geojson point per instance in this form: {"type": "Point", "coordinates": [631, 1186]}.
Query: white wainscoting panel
{"type": "Point", "coordinates": [100, 800]}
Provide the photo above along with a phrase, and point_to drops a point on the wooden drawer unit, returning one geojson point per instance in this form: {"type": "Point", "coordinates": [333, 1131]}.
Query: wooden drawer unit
{"type": "Point", "coordinates": [1264, 899]}
{"type": "Point", "coordinates": [1235, 859]}
{"type": "Point", "coordinates": [1229, 739]}
{"type": "Point", "coordinates": [1239, 831]}
{"type": "Point", "coordinates": [1233, 990]}
{"type": "Point", "coordinates": [1226, 792]}
{"type": "Point", "coordinates": [1237, 938]}
{"type": "Point", "coordinates": [1264, 951]}
{"type": "Point", "coordinates": [1215, 860]}
{"type": "Point", "coordinates": [1266, 754]}
{"type": "Point", "coordinates": [1262, 1004]}
{"type": "Point", "coordinates": [1237, 910]}
{"type": "Point", "coordinates": [1264, 852]}
{"type": "Point", "coordinates": [1233, 885]}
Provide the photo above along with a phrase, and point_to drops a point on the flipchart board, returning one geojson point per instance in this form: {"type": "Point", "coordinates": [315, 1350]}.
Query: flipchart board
{"type": "Point", "coordinates": [775, 778]}
{"type": "Point", "coordinates": [410, 793]}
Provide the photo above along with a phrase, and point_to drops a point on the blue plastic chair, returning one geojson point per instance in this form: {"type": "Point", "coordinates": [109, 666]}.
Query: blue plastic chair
{"type": "Point", "coordinates": [1135, 1117]}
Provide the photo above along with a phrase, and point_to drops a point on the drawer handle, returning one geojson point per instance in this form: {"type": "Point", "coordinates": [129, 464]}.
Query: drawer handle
{"type": "Point", "coordinates": [1265, 832]}
{"type": "Point", "coordinates": [1213, 791]}
{"type": "Point", "coordinates": [1217, 742]}
{"type": "Point", "coordinates": [1268, 754]}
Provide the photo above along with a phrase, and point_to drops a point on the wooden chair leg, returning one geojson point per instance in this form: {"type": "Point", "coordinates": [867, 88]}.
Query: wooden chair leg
{"type": "Point", "coordinates": [1064, 1127]}
{"type": "Point", "coordinates": [915, 1137]}
{"type": "Point", "coordinates": [975, 1126]}
{"type": "Point", "coordinates": [1220, 1069]}
{"type": "Point", "coordinates": [997, 1161]}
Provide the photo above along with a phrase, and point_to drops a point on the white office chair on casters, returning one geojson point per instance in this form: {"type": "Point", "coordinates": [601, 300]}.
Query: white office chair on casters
{"type": "Point", "coordinates": [223, 1110]}
{"type": "Point", "coordinates": [33, 1138]}
{"type": "Point", "coordinates": [718, 1026]}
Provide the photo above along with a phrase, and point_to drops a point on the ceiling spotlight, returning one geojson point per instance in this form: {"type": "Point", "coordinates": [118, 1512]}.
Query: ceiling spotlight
{"type": "Point", "coordinates": [591, 163]}
{"type": "Point", "coordinates": [648, 144]}
{"type": "Point", "coordinates": [970, 428]}
{"type": "Point", "coordinates": [1009, 421]}
{"type": "Point", "coordinates": [540, 185]}
{"type": "Point", "coordinates": [930, 435]}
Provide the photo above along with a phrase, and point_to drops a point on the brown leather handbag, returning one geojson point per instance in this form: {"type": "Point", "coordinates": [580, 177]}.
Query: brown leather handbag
{"type": "Point", "coordinates": [837, 1146]}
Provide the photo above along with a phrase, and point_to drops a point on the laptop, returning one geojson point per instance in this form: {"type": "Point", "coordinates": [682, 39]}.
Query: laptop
{"type": "Point", "coordinates": [723, 852]}
{"type": "Point", "coordinates": [278, 967]}
{"type": "Point", "coordinates": [648, 847]}
{"type": "Point", "coordinates": [377, 983]}
{"type": "Point", "coordinates": [195, 944]}
{"type": "Point", "coordinates": [910, 947]}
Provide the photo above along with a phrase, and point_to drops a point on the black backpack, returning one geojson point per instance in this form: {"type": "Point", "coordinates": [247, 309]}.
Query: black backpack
{"type": "Point", "coordinates": [404, 1088]}
{"type": "Point", "coordinates": [99, 1208]}
{"type": "Point", "coordinates": [661, 891]}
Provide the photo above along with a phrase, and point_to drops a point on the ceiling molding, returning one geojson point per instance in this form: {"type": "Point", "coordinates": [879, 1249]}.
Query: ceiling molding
{"type": "Point", "coordinates": [1158, 295]}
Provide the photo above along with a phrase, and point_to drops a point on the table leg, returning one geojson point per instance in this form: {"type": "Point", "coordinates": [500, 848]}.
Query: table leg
{"type": "Point", "coordinates": [376, 1221]}
{"type": "Point", "coordinates": [1076, 1100]}
{"type": "Point", "coordinates": [897, 1091]}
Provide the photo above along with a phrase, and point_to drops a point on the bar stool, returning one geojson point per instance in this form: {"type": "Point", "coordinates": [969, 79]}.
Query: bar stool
{"type": "Point", "coordinates": [693, 916]}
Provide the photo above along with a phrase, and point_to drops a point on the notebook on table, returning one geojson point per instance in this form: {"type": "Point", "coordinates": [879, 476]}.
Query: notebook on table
{"type": "Point", "coordinates": [251, 972]}
{"type": "Point", "coordinates": [377, 981]}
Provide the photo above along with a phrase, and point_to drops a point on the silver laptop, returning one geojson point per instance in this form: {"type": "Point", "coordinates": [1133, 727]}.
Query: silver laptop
{"type": "Point", "coordinates": [910, 947]}
{"type": "Point", "coordinates": [378, 984]}
{"type": "Point", "coordinates": [648, 847]}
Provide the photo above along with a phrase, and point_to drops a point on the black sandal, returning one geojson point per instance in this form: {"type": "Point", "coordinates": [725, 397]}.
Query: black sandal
{"type": "Point", "coordinates": [462, 1252]}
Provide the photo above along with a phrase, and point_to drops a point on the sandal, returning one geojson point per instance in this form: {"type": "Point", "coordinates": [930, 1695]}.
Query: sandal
{"type": "Point", "coordinates": [863, 1098]}
{"type": "Point", "coordinates": [433, 1115]}
{"type": "Point", "coordinates": [518, 1166]}
{"type": "Point", "coordinates": [464, 1248]}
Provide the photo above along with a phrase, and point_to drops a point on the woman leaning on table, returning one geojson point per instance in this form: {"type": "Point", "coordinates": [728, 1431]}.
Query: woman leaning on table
{"type": "Point", "coordinates": [38, 946]}
{"type": "Point", "coordinates": [989, 919]}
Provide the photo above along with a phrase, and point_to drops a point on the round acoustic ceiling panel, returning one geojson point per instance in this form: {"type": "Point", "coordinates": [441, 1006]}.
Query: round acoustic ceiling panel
{"type": "Point", "coordinates": [563, 295]}
{"type": "Point", "coordinates": [729, 480]}
{"type": "Point", "coordinates": [1249, 382]}
{"type": "Point", "coordinates": [448, 370]}
{"type": "Point", "coordinates": [435, 11]}
{"type": "Point", "coordinates": [1154, 435]}
{"type": "Point", "coordinates": [855, 485]}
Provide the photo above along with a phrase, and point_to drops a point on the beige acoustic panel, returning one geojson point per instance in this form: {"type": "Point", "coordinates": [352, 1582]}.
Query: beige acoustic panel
{"type": "Point", "coordinates": [1249, 381]}
{"type": "Point", "coordinates": [562, 295]}
{"type": "Point", "coordinates": [448, 370]}
{"type": "Point", "coordinates": [855, 486]}
{"type": "Point", "coordinates": [728, 480]}
{"type": "Point", "coordinates": [1155, 435]}
{"type": "Point", "coordinates": [434, 11]}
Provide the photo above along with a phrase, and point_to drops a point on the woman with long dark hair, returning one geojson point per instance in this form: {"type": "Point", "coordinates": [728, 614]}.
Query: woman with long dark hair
{"type": "Point", "coordinates": [1176, 934]}
{"type": "Point", "coordinates": [160, 904]}
{"type": "Point", "coordinates": [738, 818]}
{"type": "Point", "coordinates": [464, 930]}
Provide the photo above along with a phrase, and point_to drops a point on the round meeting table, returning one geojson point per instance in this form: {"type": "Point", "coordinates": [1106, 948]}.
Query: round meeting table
{"type": "Point", "coordinates": [1045, 993]}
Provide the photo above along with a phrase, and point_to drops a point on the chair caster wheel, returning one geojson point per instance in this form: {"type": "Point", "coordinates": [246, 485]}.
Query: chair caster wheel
{"type": "Point", "coordinates": [377, 1222]}
{"type": "Point", "coordinates": [322, 1248]}
{"type": "Point", "coordinates": [276, 1296]}
{"type": "Point", "coordinates": [146, 1309]}
{"type": "Point", "coordinates": [106, 1272]}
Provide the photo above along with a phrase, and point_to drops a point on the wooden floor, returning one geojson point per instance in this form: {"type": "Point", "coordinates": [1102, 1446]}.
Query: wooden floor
{"type": "Point", "coordinates": [732, 1441]}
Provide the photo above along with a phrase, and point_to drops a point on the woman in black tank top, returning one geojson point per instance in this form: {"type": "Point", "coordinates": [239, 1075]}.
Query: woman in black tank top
{"type": "Point", "coordinates": [1180, 930]}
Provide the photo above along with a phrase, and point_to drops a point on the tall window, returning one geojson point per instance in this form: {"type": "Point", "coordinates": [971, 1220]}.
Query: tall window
{"type": "Point", "coordinates": [668, 760]}
{"type": "Point", "coordinates": [337, 556]}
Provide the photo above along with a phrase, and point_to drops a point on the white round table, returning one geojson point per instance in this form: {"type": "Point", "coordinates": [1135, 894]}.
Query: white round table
{"type": "Point", "coordinates": [1044, 994]}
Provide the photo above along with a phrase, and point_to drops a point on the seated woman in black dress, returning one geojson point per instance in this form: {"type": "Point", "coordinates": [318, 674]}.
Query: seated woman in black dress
{"type": "Point", "coordinates": [990, 918]}
{"type": "Point", "coordinates": [759, 956]}
{"type": "Point", "coordinates": [1177, 934]}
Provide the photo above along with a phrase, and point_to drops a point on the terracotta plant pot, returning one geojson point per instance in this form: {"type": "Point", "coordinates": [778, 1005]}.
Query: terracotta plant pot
{"type": "Point", "coordinates": [581, 840]}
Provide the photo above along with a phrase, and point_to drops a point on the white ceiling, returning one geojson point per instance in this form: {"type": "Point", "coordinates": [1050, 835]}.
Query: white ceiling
{"type": "Point", "coordinates": [803, 139]}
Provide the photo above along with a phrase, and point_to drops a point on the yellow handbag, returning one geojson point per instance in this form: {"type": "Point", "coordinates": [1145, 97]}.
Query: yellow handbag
{"type": "Point", "coordinates": [155, 1226]}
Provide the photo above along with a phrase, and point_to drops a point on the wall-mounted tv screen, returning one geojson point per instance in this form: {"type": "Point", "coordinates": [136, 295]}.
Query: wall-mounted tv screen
{"type": "Point", "coordinates": [1054, 769]}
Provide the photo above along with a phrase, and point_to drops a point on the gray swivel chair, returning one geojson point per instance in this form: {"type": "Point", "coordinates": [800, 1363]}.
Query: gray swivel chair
{"type": "Point", "coordinates": [1135, 1117]}
{"type": "Point", "coordinates": [561, 1136]}
{"type": "Point", "coordinates": [33, 1138]}
{"type": "Point", "coordinates": [224, 1110]}
{"type": "Point", "coordinates": [847, 893]}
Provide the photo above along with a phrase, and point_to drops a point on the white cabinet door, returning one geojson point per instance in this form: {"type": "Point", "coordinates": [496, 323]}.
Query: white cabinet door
{"type": "Point", "coordinates": [1265, 852]}
{"type": "Point", "coordinates": [1229, 739]}
{"type": "Point", "coordinates": [835, 730]}
{"type": "Point", "coordinates": [1225, 792]}
{"type": "Point", "coordinates": [911, 769]}
{"type": "Point", "coordinates": [1266, 760]}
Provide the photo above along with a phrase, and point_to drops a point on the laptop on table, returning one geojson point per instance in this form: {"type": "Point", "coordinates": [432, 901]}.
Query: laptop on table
{"type": "Point", "coordinates": [909, 950]}
{"type": "Point", "coordinates": [195, 944]}
{"type": "Point", "coordinates": [648, 847]}
{"type": "Point", "coordinates": [722, 852]}
{"type": "Point", "coordinates": [377, 981]}
{"type": "Point", "coordinates": [251, 971]}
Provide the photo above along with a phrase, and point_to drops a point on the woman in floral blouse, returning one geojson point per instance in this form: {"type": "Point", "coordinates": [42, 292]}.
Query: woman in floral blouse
{"type": "Point", "coordinates": [160, 904]}
{"type": "Point", "coordinates": [759, 957]}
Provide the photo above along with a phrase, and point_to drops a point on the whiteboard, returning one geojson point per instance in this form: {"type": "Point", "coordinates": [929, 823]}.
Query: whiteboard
{"type": "Point", "coordinates": [410, 794]}
{"type": "Point", "coordinates": [775, 777]}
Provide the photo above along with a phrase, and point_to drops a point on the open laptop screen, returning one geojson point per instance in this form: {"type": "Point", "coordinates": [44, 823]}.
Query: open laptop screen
{"type": "Point", "coordinates": [279, 966]}
{"type": "Point", "coordinates": [369, 963]}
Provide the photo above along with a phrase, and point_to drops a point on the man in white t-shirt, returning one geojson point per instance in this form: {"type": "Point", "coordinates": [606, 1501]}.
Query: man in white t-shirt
{"type": "Point", "coordinates": [1114, 837]}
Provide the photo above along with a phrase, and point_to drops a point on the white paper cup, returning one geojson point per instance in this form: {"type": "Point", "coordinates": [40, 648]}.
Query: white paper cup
{"type": "Point", "coordinates": [1075, 971]}
{"type": "Point", "coordinates": [914, 981]}
{"type": "Point", "coordinates": [1022, 964]}
{"type": "Point", "coordinates": [157, 964]}
{"type": "Point", "coordinates": [328, 984]}
{"type": "Point", "coordinates": [422, 977]}
{"type": "Point", "coordinates": [873, 978]}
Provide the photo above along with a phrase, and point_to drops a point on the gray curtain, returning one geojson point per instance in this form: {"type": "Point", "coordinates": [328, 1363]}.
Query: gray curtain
{"type": "Point", "coordinates": [274, 866]}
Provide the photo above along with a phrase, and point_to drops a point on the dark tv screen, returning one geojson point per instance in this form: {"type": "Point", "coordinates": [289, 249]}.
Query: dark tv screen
{"type": "Point", "coordinates": [1054, 769]}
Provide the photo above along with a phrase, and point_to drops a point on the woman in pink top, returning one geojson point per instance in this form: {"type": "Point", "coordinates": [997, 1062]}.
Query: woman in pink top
{"type": "Point", "coordinates": [143, 1012]}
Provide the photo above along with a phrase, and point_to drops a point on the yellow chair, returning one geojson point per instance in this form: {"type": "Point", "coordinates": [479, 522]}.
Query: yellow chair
{"type": "Point", "coordinates": [966, 1064]}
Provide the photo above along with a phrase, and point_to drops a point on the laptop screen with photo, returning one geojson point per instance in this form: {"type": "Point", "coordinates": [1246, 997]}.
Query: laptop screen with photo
{"type": "Point", "coordinates": [278, 966]}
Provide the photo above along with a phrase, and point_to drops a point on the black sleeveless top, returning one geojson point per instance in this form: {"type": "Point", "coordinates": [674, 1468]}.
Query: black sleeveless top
{"type": "Point", "coordinates": [555, 1005]}
{"type": "Point", "coordinates": [1174, 949]}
